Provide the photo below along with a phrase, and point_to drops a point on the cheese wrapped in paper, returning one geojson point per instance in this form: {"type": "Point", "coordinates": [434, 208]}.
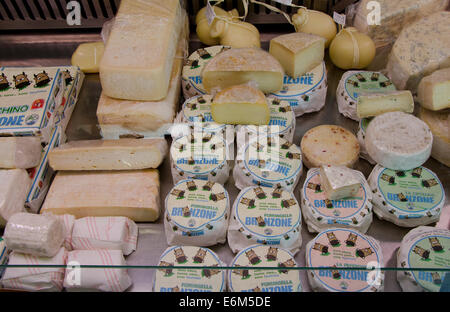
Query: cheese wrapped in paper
{"type": "Point", "coordinates": [20, 152]}
{"type": "Point", "coordinates": [14, 187]}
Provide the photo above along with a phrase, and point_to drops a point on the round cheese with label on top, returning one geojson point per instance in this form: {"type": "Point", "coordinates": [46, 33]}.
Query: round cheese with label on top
{"type": "Point", "coordinates": [329, 145]}
{"type": "Point", "coordinates": [268, 161]}
{"type": "Point", "coordinates": [307, 93]}
{"type": "Point", "coordinates": [407, 198]}
{"type": "Point", "coordinates": [268, 216]}
{"type": "Point", "coordinates": [439, 123]}
{"type": "Point", "coordinates": [424, 247]}
{"type": "Point", "coordinates": [250, 279]}
{"type": "Point", "coordinates": [204, 279]}
{"type": "Point", "coordinates": [199, 155]}
{"type": "Point", "coordinates": [355, 82]}
{"type": "Point", "coordinates": [345, 248]}
{"type": "Point", "coordinates": [197, 213]}
{"type": "Point", "coordinates": [398, 141]}
{"type": "Point", "coordinates": [321, 213]}
{"type": "Point", "coordinates": [361, 135]}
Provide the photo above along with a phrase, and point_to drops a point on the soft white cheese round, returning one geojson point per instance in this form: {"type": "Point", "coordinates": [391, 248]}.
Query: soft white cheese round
{"type": "Point", "coordinates": [321, 213]}
{"type": "Point", "coordinates": [342, 248]}
{"type": "Point", "coordinates": [407, 198]}
{"type": "Point", "coordinates": [423, 247]}
{"type": "Point", "coordinates": [196, 213]}
{"type": "Point", "coordinates": [398, 141]}
{"type": "Point", "coordinates": [361, 135]}
{"type": "Point", "coordinates": [268, 216]}
{"type": "Point", "coordinates": [264, 280]}
{"type": "Point", "coordinates": [189, 280]}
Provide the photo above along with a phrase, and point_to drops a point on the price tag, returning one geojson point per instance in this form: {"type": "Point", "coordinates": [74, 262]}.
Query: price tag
{"type": "Point", "coordinates": [210, 14]}
{"type": "Point", "coordinates": [339, 18]}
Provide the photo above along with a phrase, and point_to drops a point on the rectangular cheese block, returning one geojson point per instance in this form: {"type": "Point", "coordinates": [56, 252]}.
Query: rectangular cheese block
{"type": "Point", "coordinates": [88, 55]}
{"type": "Point", "coordinates": [375, 104]}
{"type": "Point", "coordinates": [339, 181]}
{"type": "Point", "coordinates": [14, 187]}
{"type": "Point", "coordinates": [20, 152]}
{"type": "Point", "coordinates": [133, 194]}
{"type": "Point", "coordinates": [123, 154]}
{"type": "Point", "coordinates": [434, 90]}
{"type": "Point", "coordinates": [139, 54]}
{"type": "Point", "coordinates": [298, 52]}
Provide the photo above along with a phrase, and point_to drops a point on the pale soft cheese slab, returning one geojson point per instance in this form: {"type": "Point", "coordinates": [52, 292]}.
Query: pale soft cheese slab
{"type": "Point", "coordinates": [20, 152]}
{"type": "Point", "coordinates": [339, 181]}
{"type": "Point", "coordinates": [122, 154]}
{"type": "Point", "coordinates": [14, 187]}
{"type": "Point", "coordinates": [131, 193]}
{"type": "Point", "coordinates": [374, 104]}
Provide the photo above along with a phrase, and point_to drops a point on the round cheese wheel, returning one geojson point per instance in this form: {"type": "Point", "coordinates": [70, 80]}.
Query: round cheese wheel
{"type": "Point", "coordinates": [329, 145]}
{"type": "Point", "coordinates": [315, 22]}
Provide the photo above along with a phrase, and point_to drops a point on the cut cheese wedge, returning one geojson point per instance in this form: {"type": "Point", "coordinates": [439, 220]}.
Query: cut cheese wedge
{"type": "Point", "coordinates": [20, 152]}
{"type": "Point", "coordinates": [370, 105]}
{"type": "Point", "coordinates": [339, 181]}
{"type": "Point", "coordinates": [240, 105]}
{"type": "Point", "coordinates": [298, 53]}
{"type": "Point", "coordinates": [239, 66]}
{"type": "Point", "coordinates": [88, 56]}
{"type": "Point", "coordinates": [123, 154]}
{"type": "Point", "coordinates": [439, 123]}
{"type": "Point", "coordinates": [434, 90]}
{"type": "Point", "coordinates": [133, 194]}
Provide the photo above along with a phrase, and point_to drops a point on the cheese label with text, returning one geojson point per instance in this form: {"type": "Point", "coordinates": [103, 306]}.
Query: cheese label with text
{"type": "Point", "coordinates": [198, 110]}
{"type": "Point", "coordinates": [367, 82]}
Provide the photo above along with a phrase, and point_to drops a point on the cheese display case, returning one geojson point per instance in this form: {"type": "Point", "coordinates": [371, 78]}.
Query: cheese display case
{"type": "Point", "coordinates": [113, 162]}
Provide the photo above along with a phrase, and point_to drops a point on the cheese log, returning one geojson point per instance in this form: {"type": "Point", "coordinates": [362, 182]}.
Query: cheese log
{"type": "Point", "coordinates": [370, 105]}
{"type": "Point", "coordinates": [439, 123]}
{"type": "Point", "coordinates": [339, 181]}
{"type": "Point", "coordinates": [87, 56]}
{"type": "Point", "coordinates": [140, 50]}
{"type": "Point", "coordinates": [434, 90]}
{"type": "Point", "coordinates": [14, 187]}
{"type": "Point", "coordinates": [239, 66]}
{"type": "Point", "coordinates": [240, 105]}
{"type": "Point", "coordinates": [298, 53]}
{"type": "Point", "coordinates": [20, 152]}
{"type": "Point", "coordinates": [421, 48]}
{"type": "Point", "coordinates": [123, 154]}
{"type": "Point", "coordinates": [133, 194]}
{"type": "Point", "coordinates": [398, 141]}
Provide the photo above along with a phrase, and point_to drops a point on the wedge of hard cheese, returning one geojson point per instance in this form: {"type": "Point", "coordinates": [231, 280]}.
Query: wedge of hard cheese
{"type": "Point", "coordinates": [374, 104]}
{"type": "Point", "coordinates": [339, 181]}
{"type": "Point", "coordinates": [88, 56]}
{"type": "Point", "coordinates": [439, 123]}
{"type": "Point", "coordinates": [123, 154]}
{"type": "Point", "coordinates": [20, 152]}
{"type": "Point", "coordinates": [434, 90]}
{"type": "Point", "coordinates": [133, 194]}
{"type": "Point", "coordinates": [140, 51]}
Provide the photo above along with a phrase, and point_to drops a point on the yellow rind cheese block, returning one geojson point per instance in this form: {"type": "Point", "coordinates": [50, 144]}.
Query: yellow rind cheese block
{"type": "Point", "coordinates": [315, 22]}
{"type": "Point", "coordinates": [434, 90]}
{"type": "Point", "coordinates": [374, 104]}
{"type": "Point", "coordinates": [88, 56]}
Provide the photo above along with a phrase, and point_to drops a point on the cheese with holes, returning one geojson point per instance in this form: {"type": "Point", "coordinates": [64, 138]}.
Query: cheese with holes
{"type": "Point", "coordinates": [133, 194]}
{"type": "Point", "coordinates": [239, 66]}
{"type": "Point", "coordinates": [123, 154]}
{"type": "Point", "coordinates": [398, 141]}
{"type": "Point", "coordinates": [421, 48]}
{"type": "Point", "coordinates": [339, 181]}
{"type": "Point", "coordinates": [14, 187]}
{"type": "Point", "coordinates": [439, 123]}
{"type": "Point", "coordinates": [88, 55]}
{"type": "Point", "coordinates": [375, 104]}
{"type": "Point", "coordinates": [139, 54]}
{"type": "Point", "coordinates": [434, 90]}
{"type": "Point", "coordinates": [20, 152]}
{"type": "Point", "coordinates": [298, 52]}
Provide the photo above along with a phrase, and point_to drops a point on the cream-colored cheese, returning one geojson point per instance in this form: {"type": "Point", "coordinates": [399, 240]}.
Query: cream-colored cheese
{"type": "Point", "coordinates": [339, 181]}
{"type": "Point", "coordinates": [439, 123]}
{"type": "Point", "coordinates": [370, 105]}
{"type": "Point", "coordinates": [434, 90]}
{"type": "Point", "coordinates": [20, 152]}
{"type": "Point", "coordinates": [14, 186]}
{"type": "Point", "coordinates": [87, 56]}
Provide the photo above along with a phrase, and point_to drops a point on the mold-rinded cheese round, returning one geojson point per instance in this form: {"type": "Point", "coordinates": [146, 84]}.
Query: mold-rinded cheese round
{"type": "Point", "coordinates": [197, 213]}
{"type": "Point", "coordinates": [307, 93]}
{"type": "Point", "coordinates": [268, 216]}
{"type": "Point", "coordinates": [265, 280]}
{"type": "Point", "coordinates": [356, 82]}
{"type": "Point", "coordinates": [321, 213]}
{"type": "Point", "coordinates": [361, 135]}
{"type": "Point", "coordinates": [206, 279]}
{"type": "Point", "coordinates": [329, 145]}
{"type": "Point", "coordinates": [191, 80]}
{"type": "Point", "coordinates": [268, 161]}
{"type": "Point", "coordinates": [423, 247]}
{"type": "Point", "coordinates": [407, 198]}
{"type": "Point", "coordinates": [342, 248]}
{"type": "Point", "coordinates": [199, 155]}
{"type": "Point", "coordinates": [439, 123]}
{"type": "Point", "coordinates": [398, 141]}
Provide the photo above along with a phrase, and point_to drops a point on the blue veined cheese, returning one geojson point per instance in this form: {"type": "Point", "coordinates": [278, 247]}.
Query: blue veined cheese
{"type": "Point", "coordinates": [361, 135]}
{"type": "Point", "coordinates": [264, 280]}
{"type": "Point", "coordinates": [407, 198]}
{"type": "Point", "coordinates": [14, 186]}
{"type": "Point", "coordinates": [205, 278]}
{"type": "Point", "coordinates": [269, 216]}
{"type": "Point", "coordinates": [197, 213]}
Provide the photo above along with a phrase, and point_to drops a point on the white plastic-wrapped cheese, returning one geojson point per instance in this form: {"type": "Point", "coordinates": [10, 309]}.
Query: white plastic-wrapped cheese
{"type": "Point", "coordinates": [3, 255]}
{"type": "Point", "coordinates": [269, 216]}
{"type": "Point", "coordinates": [265, 280]}
{"type": "Point", "coordinates": [68, 222]}
{"type": "Point", "coordinates": [342, 248]}
{"type": "Point", "coordinates": [14, 186]}
{"type": "Point", "coordinates": [197, 213]}
{"type": "Point", "coordinates": [189, 280]}
{"type": "Point", "coordinates": [407, 198]}
{"type": "Point", "coordinates": [361, 136]}
{"type": "Point", "coordinates": [20, 152]}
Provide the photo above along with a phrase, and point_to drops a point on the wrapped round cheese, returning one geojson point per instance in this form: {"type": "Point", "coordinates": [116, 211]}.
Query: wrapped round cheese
{"type": "Point", "coordinates": [189, 280]}
{"type": "Point", "coordinates": [265, 280]}
{"type": "Point", "coordinates": [196, 213]}
{"type": "Point", "coordinates": [268, 161]}
{"type": "Point", "coordinates": [355, 82]}
{"type": "Point", "coordinates": [423, 247]}
{"type": "Point", "coordinates": [315, 22]}
{"type": "Point", "coordinates": [268, 216]}
{"type": "Point", "coordinates": [342, 248]}
{"type": "Point", "coordinates": [321, 213]}
{"type": "Point", "coordinates": [407, 198]}
{"type": "Point", "coordinates": [361, 136]}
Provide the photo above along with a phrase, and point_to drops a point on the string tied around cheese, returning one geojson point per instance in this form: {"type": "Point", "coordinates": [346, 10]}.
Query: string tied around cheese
{"type": "Point", "coordinates": [350, 31]}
